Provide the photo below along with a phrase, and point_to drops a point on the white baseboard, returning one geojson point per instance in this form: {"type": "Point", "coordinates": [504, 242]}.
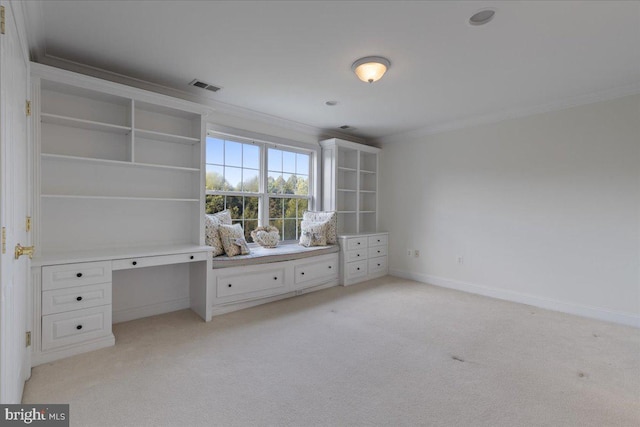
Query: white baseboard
{"type": "Point", "coordinates": [235, 306]}
{"type": "Point", "coordinates": [536, 301]}
{"type": "Point", "coordinates": [150, 310]}
{"type": "Point", "coordinates": [38, 358]}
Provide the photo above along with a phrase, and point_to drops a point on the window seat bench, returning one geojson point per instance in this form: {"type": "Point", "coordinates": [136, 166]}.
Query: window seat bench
{"type": "Point", "coordinates": [267, 275]}
{"type": "Point", "coordinates": [282, 252]}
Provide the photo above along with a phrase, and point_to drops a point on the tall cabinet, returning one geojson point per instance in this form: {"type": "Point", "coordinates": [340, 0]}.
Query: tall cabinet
{"type": "Point", "coordinates": [350, 187]}
{"type": "Point", "coordinates": [350, 184]}
{"type": "Point", "coordinates": [118, 187]}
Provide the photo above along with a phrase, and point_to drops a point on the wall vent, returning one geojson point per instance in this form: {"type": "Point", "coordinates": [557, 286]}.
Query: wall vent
{"type": "Point", "coordinates": [203, 85]}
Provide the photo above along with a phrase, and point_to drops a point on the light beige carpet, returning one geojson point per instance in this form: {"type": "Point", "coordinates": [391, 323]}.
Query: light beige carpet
{"type": "Point", "coordinates": [390, 352]}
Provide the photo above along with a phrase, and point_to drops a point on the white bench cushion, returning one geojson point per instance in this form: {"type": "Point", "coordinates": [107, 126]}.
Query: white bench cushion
{"type": "Point", "coordinates": [282, 252]}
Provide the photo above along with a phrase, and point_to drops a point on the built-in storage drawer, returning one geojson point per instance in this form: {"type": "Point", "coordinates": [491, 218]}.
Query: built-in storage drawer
{"type": "Point", "coordinates": [75, 298]}
{"type": "Point", "coordinates": [68, 275]}
{"type": "Point", "coordinates": [377, 265]}
{"type": "Point", "coordinates": [246, 283]}
{"type": "Point", "coordinates": [320, 270]}
{"type": "Point", "coordinates": [356, 269]}
{"type": "Point", "coordinates": [378, 240]}
{"type": "Point", "coordinates": [356, 243]}
{"type": "Point", "coordinates": [76, 326]}
{"type": "Point", "coordinates": [377, 251]}
{"type": "Point", "coordinates": [150, 261]}
{"type": "Point", "coordinates": [356, 255]}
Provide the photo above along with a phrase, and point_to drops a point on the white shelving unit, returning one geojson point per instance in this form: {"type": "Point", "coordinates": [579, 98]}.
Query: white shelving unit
{"type": "Point", "coordinates": [115, 170]}
{"type": "Point", "coordinates": [118, 210]}
{"type": "Point", "coordinates": [351, 188]}
{"type": "Point", "coordinates": [351, 185]}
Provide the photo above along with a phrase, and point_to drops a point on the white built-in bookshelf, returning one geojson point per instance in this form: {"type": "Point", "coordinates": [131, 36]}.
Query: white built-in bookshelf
{"type": "Point", "coordinates": [350, 184]}
{"type": "Point", "coordinates": [117, 167]}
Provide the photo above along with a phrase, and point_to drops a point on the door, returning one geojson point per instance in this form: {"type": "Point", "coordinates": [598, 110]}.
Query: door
{"type": "Point", "coordinates": [14, 204]}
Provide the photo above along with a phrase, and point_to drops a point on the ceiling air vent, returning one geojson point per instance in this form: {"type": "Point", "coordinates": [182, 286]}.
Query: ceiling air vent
{"type": "Point", "coordinates": [203, 85]}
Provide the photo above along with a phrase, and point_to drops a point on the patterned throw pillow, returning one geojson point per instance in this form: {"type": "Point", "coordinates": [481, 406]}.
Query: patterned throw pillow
{"type": "Point", "coordinates": [233, 241]}
{"type": "Point", "coordinates": [211, 226]}
{"type": "Point", "coordinates": [313, 233]}
{"type": "Point", "coordinates": [330, 217]}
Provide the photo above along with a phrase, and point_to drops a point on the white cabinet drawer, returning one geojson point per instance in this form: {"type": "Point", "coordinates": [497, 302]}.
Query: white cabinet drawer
{"type": "Point", "coordinates": [75, 298]}
{"type": "Point", "coordinates": [356, 255]}
{"type": "Point", "coordinates": [68, 275]}
{"type": "Point", "coordinates": [73, 327]}
{"type": "Point", "coordinates": [325, 269]}
{"type": "Point", "coordinates": [356, 243]}
{"type": "Point", "coordinates": [378, 240]}
{"type": "Point", "coordinates": [377, 265]}
{"type": "Point", "coordinates": [249, 282]}
{"type": "Point", "coordinates": [356, 269]}
{"type": "Point", "coordinates": [150, 261]}
{"type": "Point", "coordinates": [377, 251]}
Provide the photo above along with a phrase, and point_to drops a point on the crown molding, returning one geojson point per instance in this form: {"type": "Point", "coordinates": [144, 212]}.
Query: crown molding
{"type": "Point", "coordinates": [515, 113]}
{"type": "Point", "coordinates": [215, 106]}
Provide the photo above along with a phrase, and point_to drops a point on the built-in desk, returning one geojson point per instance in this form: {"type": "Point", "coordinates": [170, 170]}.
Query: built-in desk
{"type": "Point", "coordinates": [73, 294]}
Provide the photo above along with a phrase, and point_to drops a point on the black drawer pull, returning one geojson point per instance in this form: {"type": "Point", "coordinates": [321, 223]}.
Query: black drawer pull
{"type": "Point", "coordinates": [79, 327]}
{"type": "Point", "coordinates": [358, 242]}
{"type": "Point", "coordinates": [275, 278]}
{"type": "Point", "coordinates": [330, 266]}
{"type": "Point", "coordinates": [378, 240]}
{"type": "Point", "coordinates": [357, 254]}
{"type": "Point", "coordinates": [79, 275]}
{"type": "Point", "coordinates": [378, 265]}
{"type": "Point", "coordinates": [358, 268]}
{"type": "Point", "coordinates": [135, 263]}
{"type": "Point", "coordinates": [191, 257]}
{"type": "Point", "coordinates": [79, 299]}
{"type": "Point", "coordinates": [229, 284]}
{"type": "Point", "coordinates": [302, 273]}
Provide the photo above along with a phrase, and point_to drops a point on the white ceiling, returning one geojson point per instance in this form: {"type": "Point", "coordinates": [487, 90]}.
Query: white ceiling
{"type": "Point", "coordinates": [287, 58]}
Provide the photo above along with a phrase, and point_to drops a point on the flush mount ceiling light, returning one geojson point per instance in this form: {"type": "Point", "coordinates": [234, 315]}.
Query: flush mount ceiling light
{"type": "Point", "coordinates": [371, 68]}
{"type": "Point", "coordinates": [481, 17]}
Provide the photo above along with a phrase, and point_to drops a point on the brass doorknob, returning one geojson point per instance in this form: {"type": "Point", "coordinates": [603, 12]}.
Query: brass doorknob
{"type": "Point", "coordinates": [24, 250]}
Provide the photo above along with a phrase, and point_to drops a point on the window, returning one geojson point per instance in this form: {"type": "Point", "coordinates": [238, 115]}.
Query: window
{"type": "Point", "coordinates": [233, 181]}
{"type": "Point", "coordinates": [288, 189]}
{"type": "Point", "coordinates": [258, 184]}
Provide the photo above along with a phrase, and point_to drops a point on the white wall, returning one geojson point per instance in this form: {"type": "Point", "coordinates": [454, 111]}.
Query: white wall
{"type": "Point", "coordinates": [142, 292]}
{"type": "Point", "coordinates": [544, 209]}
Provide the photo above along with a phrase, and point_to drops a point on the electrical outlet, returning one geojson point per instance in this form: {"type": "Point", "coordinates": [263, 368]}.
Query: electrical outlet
{"type": "Point", "coordinates": [409, 252]}
{"type": "Point", "coordinates": [416, 253]}
{"type": "Point", "coordinates": [460, 260]}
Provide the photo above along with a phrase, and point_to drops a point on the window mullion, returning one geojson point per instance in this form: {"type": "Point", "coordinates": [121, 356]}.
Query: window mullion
{"type": "Point", "coordinates": [231, 193]}
{"type": "Point", "coordinates": [289, 196]}
{"type": "Point", "coordinates": [263, 207]}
